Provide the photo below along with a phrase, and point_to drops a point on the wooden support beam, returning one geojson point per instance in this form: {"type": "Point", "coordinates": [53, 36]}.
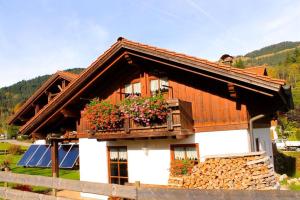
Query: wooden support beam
{"type": "Point", "coordinates": [232, 90]}
{"type": "Point", "coordinates": [63, 84]}
{"type": "Point", "coordinates": [60, 88]}
{"type": "Point", "coordinates": [54, 161]}
{"type": "Point", "coordinates": [69, 113]}
{"type": "Point", "coordinates": [54, 158]}
{"type": "Point", "coordinates": [36, 109]}
{"type": "Point", "coordinates": [128, 59]}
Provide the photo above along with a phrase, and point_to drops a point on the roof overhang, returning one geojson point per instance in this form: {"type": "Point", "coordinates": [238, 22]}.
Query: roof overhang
{"type": "Point", "coordinates": [37, 94]}
{"type": "Point", "coordinates": [122, 48]}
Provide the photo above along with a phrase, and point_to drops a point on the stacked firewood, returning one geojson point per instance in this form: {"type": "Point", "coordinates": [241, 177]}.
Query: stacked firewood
{"type": "Point", "coordinates": [245, 172]}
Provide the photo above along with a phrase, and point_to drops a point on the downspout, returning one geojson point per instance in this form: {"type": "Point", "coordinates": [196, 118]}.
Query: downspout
{"type": "Point", "coordinates": [251, 134]}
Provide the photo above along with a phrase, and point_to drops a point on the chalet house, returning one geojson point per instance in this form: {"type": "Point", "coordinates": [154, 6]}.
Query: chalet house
{"type": "Point", "coordinates": [214, 109]}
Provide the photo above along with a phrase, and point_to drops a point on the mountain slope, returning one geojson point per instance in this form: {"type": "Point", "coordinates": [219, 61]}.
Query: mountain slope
{"type": "Point", "coordinates": [271, 55]}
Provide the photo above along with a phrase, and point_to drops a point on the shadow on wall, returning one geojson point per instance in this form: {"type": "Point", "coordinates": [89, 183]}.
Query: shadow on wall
{"type": "Point", "coordinates": [284, 164]}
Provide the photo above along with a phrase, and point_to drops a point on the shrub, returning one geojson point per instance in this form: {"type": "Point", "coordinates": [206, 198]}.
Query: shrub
{"type": "Point", "coordinates": [6, 162]}
{"type": "Point", "coordinates": [26, 188]}
{"type": "Point", "coordinates": [15, 149]}
{"type": "Point", "coordinates": [181, 167]}
{"type": "Point", "coordinates": [103, 115]}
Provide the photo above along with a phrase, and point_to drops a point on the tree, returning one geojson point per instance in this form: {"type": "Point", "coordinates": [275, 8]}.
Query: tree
{"type": "Point", "coordinates": [239, 64]}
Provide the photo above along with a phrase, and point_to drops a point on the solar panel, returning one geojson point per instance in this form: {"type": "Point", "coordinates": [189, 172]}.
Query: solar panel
{"type": "Point", "coordinates": [37, 155]}
{"type": "Point", "coordinates": [45, 159]}
{"type": "Point", "coordinates": [70, 158]}
{"type": "Point", "coordinates": [62, 152]}
{"type": "Point", "coordinates": [27, 155]}
{"type": "Point", "coordinates": [40, 156]}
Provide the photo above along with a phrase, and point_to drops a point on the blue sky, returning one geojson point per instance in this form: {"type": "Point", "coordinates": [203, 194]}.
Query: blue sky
{"type": "Point", "coordinates": [39, 37]}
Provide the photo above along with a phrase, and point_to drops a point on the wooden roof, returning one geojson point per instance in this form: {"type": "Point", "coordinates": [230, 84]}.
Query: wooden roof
{"type": "Point", "coordinates": [123, 47]}
{"type": "Point", "coordinates": [259, 70]}
{"type": "Point", "coordinates": [37, 94]}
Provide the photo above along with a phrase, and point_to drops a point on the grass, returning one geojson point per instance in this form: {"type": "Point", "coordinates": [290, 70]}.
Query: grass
{"type": "Point", "coordinates": [63, 173]}
{"type": "Point", "coordinates": [296, 174]}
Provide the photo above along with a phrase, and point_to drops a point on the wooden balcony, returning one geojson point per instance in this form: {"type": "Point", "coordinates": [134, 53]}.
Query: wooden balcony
{"type": "Point", "coordinates": [179, 124]}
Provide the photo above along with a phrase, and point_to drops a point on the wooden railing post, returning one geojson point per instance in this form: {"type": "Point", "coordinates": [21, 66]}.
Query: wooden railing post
{"type": "Point", "coordinates": [127, 125]}
{"type": "Point", "coordinates": [170, 121]}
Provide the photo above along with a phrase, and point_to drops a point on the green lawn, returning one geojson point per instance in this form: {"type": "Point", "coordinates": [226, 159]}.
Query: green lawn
{"type": "Point", "coordinates": [4, 145]}
{"type": "Point", "coordinates": [63, 173]}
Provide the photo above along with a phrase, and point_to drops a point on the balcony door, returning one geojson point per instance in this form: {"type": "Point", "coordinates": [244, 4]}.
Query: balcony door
{"type": "Point", "coordinates": [117, 165]}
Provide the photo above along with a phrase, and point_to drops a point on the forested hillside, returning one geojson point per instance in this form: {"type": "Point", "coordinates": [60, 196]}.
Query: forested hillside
{"type": "Point", "coordinates": [13, 96]}
{"type": "Point", "coordinates": [282, 61]}
{"type": "Point", "coordinates": [272, 55]}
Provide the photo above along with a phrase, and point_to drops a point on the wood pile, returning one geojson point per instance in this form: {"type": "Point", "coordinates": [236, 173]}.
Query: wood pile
{"type": "Point", "coordinates": [244, 172]}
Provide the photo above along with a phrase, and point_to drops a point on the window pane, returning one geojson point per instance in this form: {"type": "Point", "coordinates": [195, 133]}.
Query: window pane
{"type": "Point", "coordinates": [114, 169]}
{"type": "Point", "coordinates": [179, 153]}
{"type": "Point", "coordinates": [122, 154]}
{"type": "Point", "coordinates": [123, 170]}
{"type": "Point", "coordinates": [128, 89]}
{"type": "Point", "coordinates": [113, 154]}
{"type": "Point", "coordinates": [191, 153]}
{"type": "Point", "coordinates": [114, 180]}
{"type": "Point", "coordinates": [163, 83]}
{"type": "Point", "coordinates": [137, 88]}
{"type": "Point", "coordinates": [123, 181]}
{"type": "Point", "coordinates": [153, 85]}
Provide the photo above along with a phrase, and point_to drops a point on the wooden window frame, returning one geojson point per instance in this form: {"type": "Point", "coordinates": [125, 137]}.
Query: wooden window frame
{"type": "Point", "coordinates": [151, 78]}
{"type": "Point", "coordinates": [134, 81]}
{"type": "Point", "coordinates": [116, 162]}
{"type": "Point", "coordinates": [173, 146]}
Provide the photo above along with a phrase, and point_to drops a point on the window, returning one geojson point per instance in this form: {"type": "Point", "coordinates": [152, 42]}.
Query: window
{"type": "Point", "coordinates": [132, 88]}
{"type": "Point", "coordinates": [185, 151]}
{"type": "Point", "coordinates": [159, 85]}
{"type": "Point", "coordinates": [117, 165]}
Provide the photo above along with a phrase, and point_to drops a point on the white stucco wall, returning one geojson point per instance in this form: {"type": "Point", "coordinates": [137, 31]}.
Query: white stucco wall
{"type": "Point", "coordinates": [40, 142]}
{"type": "Point", "coordinates": [149, 160]}
{"type": "Point", "coordinates": [93, 163]}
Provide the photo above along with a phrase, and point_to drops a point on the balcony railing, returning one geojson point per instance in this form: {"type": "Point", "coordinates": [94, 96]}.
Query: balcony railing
{"type": "Point", "coordinates": [179, 123]}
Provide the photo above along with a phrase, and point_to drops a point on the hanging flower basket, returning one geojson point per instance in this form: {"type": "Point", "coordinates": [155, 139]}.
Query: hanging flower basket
{"type": "Point", "coordinates": [144, 111]}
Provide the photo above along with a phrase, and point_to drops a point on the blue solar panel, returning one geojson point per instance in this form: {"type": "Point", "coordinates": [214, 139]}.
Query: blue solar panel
{"type": "Point", "coordinates": [70, 158]}
{"type": "Point", "coordinates": [37, 155]}
{"type": "Point", "coordinates": [62, 151]}
{"type": "Point", "coordinates": [27, 155]}
{"type": "Point", "coordinates": [46, 158]}
{"type": "Point", "coordinates": [40, 156]}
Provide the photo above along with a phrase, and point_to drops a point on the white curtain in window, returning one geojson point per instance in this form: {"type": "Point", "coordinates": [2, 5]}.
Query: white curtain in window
{"type": "Point", "coordinates": [123, 154]}
{"type": "Point", "coordinates": [191, 153]}
{"type": "Point", "coordinates": [163, 82]}
{"type": "Point", "coordinates": [153, 85]}
{"type": "Point", "coordinates": [179, 153]}
{"type": "Point", "coordinates": [113, 153]}
{"type": "Point", "coordinates": [128, 88]}
{"type": "Point", "coordinates": [137, 88]}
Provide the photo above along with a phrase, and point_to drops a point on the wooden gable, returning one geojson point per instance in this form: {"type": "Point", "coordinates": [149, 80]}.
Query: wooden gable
{"type": "Point", "coordinates": [221, 96]}
{"type": "Point", "coordinates": [51, 88]}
